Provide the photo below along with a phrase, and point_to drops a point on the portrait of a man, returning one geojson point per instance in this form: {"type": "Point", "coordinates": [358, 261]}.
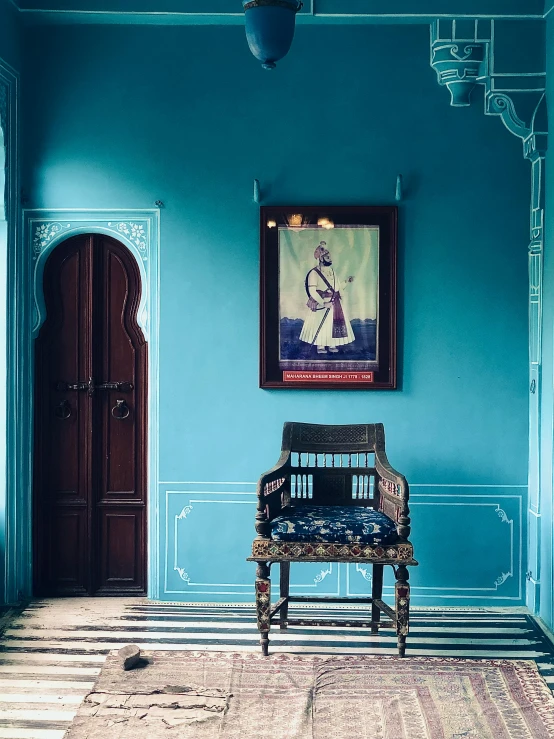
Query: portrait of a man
{"type": "Point", "coordinates": [327, 325]}
{"type": "Point", "coordinates": [328, 298]}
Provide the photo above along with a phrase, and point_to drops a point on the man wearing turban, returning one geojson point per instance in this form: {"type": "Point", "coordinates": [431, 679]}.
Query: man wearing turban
{"type": "Point", "coordinates": [327, 325]}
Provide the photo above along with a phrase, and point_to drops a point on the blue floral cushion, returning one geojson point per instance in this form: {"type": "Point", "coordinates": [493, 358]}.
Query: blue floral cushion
{"type": "Point", "coordinates": [341, 524]}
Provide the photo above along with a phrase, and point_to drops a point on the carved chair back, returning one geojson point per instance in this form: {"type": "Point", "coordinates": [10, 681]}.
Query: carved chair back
{"type": "Point", "coordinates": [331, 465]}
{"type": "Point", "coordinates": [336, 466]}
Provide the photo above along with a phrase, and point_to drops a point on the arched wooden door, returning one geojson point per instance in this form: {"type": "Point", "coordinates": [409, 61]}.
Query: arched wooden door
{"type": "Point", "coordinates": [90, 424]}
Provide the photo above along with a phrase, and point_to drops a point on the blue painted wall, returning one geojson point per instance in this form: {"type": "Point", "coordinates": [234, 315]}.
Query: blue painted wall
{"type": "Point", "coordinates": [9, 34]}
{"type": "Point", "coordinates": [117, 117]}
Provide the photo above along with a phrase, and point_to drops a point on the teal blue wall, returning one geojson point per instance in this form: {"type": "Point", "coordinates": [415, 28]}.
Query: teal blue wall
{"type": "Point", "coordinates": [546, 542]}
{"type": "Point", "coordinates": [118, 117]}
{"type": "Point", "coordinates": [9, 34]}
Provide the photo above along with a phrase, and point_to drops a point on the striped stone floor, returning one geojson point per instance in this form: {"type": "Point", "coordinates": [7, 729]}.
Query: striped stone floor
{"type": "Point", "coordinates": [51, 653]}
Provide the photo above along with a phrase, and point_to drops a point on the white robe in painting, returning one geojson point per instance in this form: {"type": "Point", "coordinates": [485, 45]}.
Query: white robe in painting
{"type": "Point", "coordinates": [317, 330]}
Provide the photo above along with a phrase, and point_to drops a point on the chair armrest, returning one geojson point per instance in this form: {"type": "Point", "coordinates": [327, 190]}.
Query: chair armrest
{"type": "Point", "coordinates": [393, 493]}
{"type": "Point", "coordinates": [387, 472]}
{"type": "Point", "coordinates": [270, 484]}
{"type": "Point", "coordinates": [275, 475]}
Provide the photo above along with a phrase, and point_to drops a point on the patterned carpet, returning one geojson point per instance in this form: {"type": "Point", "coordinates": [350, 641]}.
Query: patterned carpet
{"type": "Point", "coordinates": [202, 695]}
{"type": "Point", "coordinates": [51, 654]}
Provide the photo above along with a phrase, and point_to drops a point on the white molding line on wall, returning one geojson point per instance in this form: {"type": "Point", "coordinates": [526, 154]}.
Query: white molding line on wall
{"type": "Point", "coordinates": [314, 11]}
{"type": "Point", "coordinates": [139, 231]}
{"type": "Point", "coordinates": [501, 579]}
{"type": "Point", "coordinates": [508, 508]}
{"type": "Point", "coordinates": [182, 516]}
{"type": "Point", "coordinates": [412, 485]}
{"type": "Point", "coordinates": [173, 564]}
{"type": "Point", "coordinates": [232, 18]}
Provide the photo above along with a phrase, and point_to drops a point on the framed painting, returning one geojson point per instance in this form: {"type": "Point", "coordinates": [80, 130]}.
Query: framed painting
{"type": "Point", "coordinates": [328, 297]}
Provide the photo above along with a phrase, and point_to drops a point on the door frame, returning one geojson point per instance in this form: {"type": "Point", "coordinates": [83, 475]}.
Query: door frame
{"type": "Point", "coordinates": [13, 468]}
{"type": "Point", "coordinates": [139, 231]}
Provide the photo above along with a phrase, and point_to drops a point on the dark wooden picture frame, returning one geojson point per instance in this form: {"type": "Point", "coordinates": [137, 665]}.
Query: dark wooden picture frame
{"type": "Point", "coordinates": [328, 297]}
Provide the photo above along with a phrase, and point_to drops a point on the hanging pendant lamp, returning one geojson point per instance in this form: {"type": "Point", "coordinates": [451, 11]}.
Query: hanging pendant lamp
{"type": "Point", "coordinates": [270, 28]}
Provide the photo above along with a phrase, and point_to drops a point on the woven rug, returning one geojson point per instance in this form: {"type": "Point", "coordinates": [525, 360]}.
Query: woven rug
{"type": "Point", "coordinates": [210, 695]}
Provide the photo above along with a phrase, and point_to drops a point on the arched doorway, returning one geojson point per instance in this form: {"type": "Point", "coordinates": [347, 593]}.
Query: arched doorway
{"type": "Point", "coordinates": [90, 456]}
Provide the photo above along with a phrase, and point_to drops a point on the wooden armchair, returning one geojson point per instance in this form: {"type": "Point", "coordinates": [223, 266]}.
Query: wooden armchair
{"type": "Point", "coordinates": [332, 497]}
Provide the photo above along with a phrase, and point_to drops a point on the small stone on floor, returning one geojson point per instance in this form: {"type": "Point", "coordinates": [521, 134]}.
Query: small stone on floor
{"type": "Point", "coordinates": [129, 656]}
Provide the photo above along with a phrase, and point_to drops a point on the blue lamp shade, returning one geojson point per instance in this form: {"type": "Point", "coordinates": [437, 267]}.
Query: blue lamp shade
{"type": "Point", "coordinates": [270, 28]}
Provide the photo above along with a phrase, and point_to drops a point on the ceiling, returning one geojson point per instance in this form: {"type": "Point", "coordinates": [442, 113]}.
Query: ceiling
{"type": "Point", "coordinates": [174, 12]}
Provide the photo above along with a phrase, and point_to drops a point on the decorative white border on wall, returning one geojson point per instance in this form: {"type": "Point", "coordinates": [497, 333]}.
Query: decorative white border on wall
{"type": "Point", "coordinates": [139, 231]}
{"type": "Point", "coordinates": [175, 563]}
{"type": "Point", "coordinates": [182, 516]}
{"type": "Point", "coordinates": [210, 12]}
{"type": "Point", "coordinates": [512, 570]}
{"type": "Point", "coordinates": [464, 55]}
{"type": "Point", "coordinates": [506, 586]}
{"type": "Point", "coordinates": [132, 228]}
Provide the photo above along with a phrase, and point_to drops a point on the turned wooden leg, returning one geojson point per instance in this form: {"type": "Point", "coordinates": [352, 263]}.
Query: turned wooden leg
{"type": "Point", "coordinates": [402, 601]}
{"type": "Point", "coordinates": [263, 604]}
{"type": "Point", "coordinates": [376, 593]}
{"type": "Point", "coordinates": [284, 573]}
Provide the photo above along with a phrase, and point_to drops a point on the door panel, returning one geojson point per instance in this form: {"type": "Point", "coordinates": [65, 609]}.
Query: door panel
{"type": "Point", "coordinates": [121, 563]}
{"type": "Point", "coordinates": [63, 427]}
{"type": "Point", "coordinates": [90, 461]}
{"type": "Point", "coordinates": [123, 427]}
{"type": "Point", "coordinates": [68, 539]}
{"type": "Point", "coordinates": [68, 437]}
{"type": "Point", "coordinates": [121, 469]}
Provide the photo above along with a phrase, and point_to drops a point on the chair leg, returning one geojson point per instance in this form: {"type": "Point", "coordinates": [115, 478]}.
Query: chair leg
{"type": "Point", "coordinates": [263, 604]}
{"type": "Point", "coordinates": [402, 601]}
{"type": "Point", "coordinates": [376, 593]}
{"type": "Point", "coordinates": [284, 573]}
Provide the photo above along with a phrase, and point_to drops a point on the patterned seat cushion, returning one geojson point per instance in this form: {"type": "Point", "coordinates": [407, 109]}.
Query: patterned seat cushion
{"type": "Point", "coordinates": [341, 524]}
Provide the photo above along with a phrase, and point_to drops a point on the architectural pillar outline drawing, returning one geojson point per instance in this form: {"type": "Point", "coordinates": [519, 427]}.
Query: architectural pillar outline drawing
{"type": "Point", "coordinates": [518, 97]}
{"type": "Point", "coordinates": [458, 67]}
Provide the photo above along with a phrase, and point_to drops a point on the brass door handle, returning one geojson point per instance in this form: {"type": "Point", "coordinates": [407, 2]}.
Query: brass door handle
{"type": "Point", "coordinates": [120, 410]}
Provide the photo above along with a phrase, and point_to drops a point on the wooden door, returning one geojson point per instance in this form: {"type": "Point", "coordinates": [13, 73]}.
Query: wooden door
{"type": "Point", "coordinates": [90, 424]}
